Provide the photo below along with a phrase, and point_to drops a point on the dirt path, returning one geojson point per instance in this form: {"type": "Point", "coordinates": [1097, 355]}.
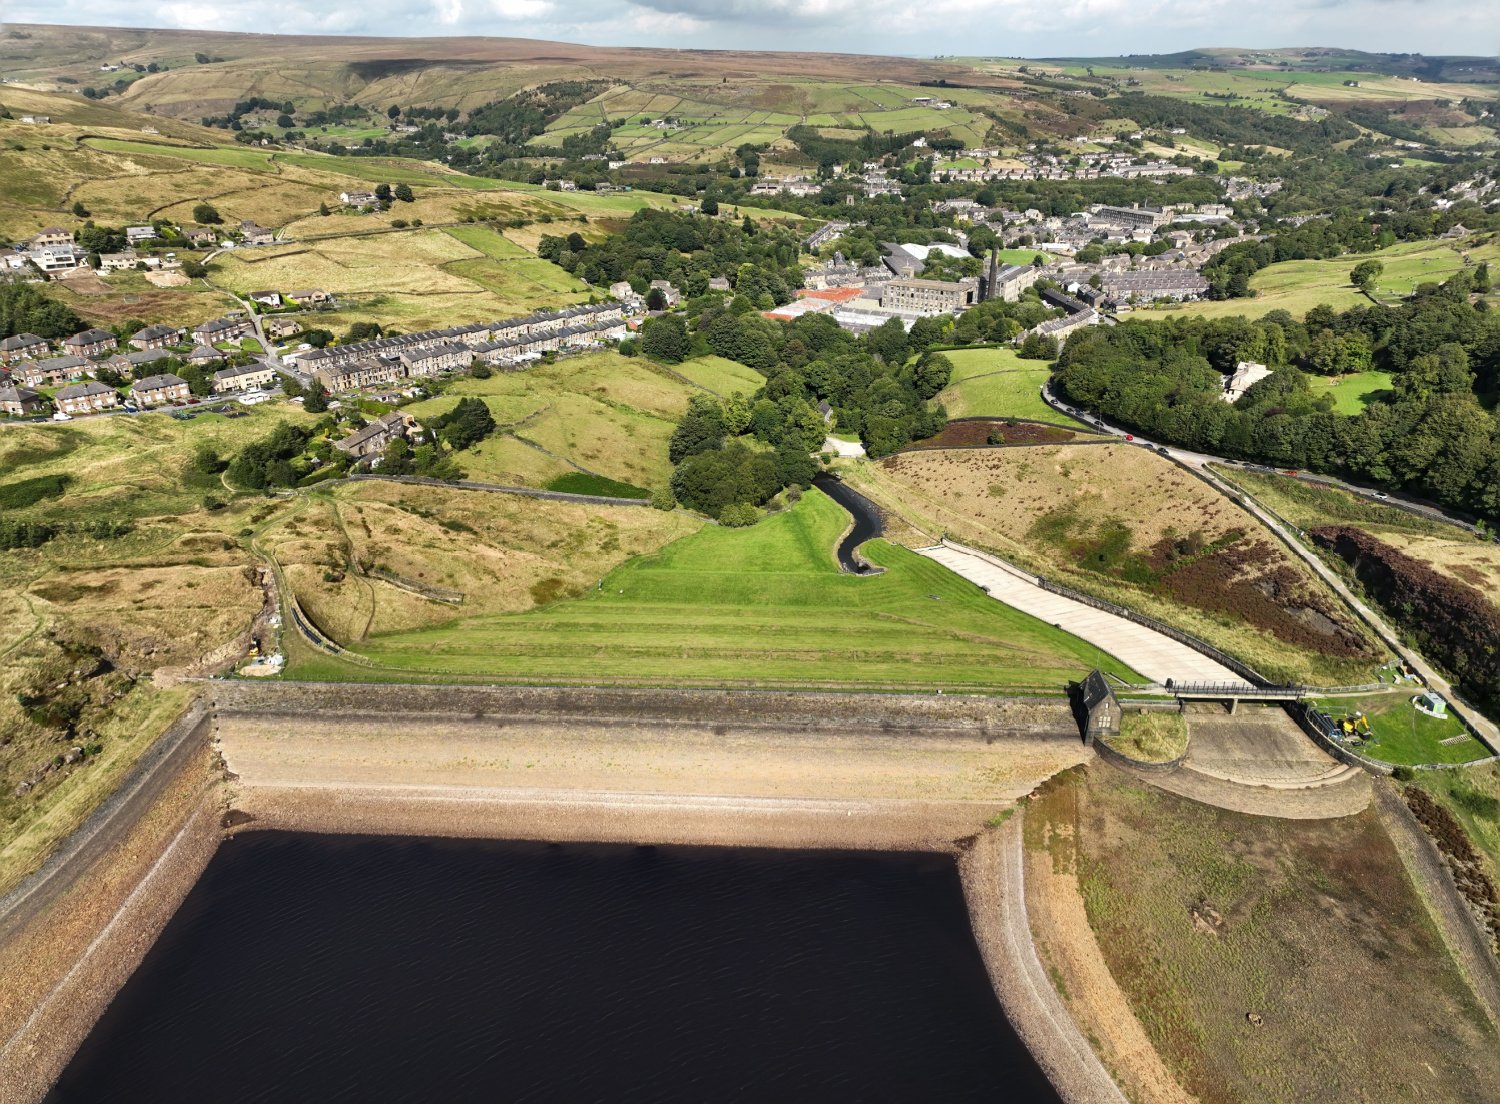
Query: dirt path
{"type": "Point", "coordinates": [1429, 874]}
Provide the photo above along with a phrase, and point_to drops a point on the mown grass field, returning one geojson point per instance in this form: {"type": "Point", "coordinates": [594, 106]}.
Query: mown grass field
{"type": "Point", "coordinates": [760, 606]}
{"type": "Point", "coordinates": [997, 383]}
{"type": "Point", "coordinates": [1206, 917]}
{"type": "Point", "coordinates": [1352, 393]}
{"type": "Point", "coordinates": [1399, 734]}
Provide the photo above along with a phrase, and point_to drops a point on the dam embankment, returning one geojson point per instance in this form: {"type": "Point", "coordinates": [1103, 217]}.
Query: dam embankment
{"type": "Point", "coordinates": [882, 772]}
{"type": "Point", "coordinates": [73, 932]}
{"type": "Point", "coordinates": [806, 771]}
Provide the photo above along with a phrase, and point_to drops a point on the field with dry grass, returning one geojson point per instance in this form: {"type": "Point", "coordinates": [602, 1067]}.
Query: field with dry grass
{"type": "Point", "coordinates": [358, 556]}
{"type": "Point", "coordinates": [1448, 549]}
{"type": "Point", "coordinates": [1268, 960]}
{"type": "Point", "coordinates": [1124, 524]}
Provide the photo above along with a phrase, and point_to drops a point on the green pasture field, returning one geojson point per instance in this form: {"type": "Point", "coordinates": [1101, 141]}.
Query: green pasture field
{"type": "Point", "coordinates": [1352, 393]}
{"type": "Point", "coordinates": [489, 242]}
{"type": "Point", "coordinates": [997, 383]}
{"type": "Point", "coordinates": [1402, 735]}
{"type": "Point", "coordinates": [722, 377]}
{"type": "Point", "coordinates": [766, 605]}
{"type": "Point", "coordinates": [1298, 286]}
{"type": "Point", "coordinates": [240, 158]}
{"type": "Point", "coordinates": [599, 413]}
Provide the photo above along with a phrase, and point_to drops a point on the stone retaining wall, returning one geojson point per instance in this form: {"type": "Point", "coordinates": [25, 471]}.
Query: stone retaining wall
{"type": "Point", "coordinates": [985, 718]}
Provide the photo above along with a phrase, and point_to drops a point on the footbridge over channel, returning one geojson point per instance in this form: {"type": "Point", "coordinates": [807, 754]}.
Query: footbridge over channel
{"type": "Point", "coordinates": [1233, 693]}
{"type": "Point", "coordinates": [1161, 658]}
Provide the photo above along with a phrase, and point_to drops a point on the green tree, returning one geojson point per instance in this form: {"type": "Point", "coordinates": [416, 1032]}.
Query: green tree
{"type": "Point", "coordinates": [207, 214]}
{"type": "Point", "coordinates": [316, 399]}
{"type": "Point", "coordinates": [665, 339]}
{"type": "Point", "coordinates": [383, 193]}
{"type": "Point", "coordinates": [403, 193]}
{"type": "Point", "coordinates": [931, 374]}
{"type": "Point", "coordinates": [1364, 275]}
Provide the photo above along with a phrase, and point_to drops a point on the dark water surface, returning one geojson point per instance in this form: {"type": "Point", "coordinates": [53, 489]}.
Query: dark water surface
{"type": "Point", "coordinates": [324, 968]}
{"type": "Point", "coordinates": [867, 523]}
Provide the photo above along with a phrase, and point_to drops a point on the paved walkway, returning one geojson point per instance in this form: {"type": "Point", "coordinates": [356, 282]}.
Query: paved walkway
{"type": "Point", "coordinates": [1155, 656]}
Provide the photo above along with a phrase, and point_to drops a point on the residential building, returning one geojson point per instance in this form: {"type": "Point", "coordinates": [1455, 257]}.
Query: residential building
{"type": "Point", "coordinates": [250, 377]}
{"type": "Point", "coordinates": [440, 358]}
{"type": "Point", "coordinates": [204, 355]}
{"type": "Point", "coordinates": [87, 398]}
{"type": "Point", "coordinates": [1246, 374]}
{"type": "Point", "coordinates": [1175, 284]}
{"type": "Point", "coordinates": [55, 258]}
{"type": "Point", "coordinates": [36, 120]}
{"type": "Point", "coordinates": [223, 329]}
{"type": "Point", "coordinates": [20, 402]}
{"type": "Point", "coordinates": [358, 199]}
{"type": "Point", "coordinates": [928, 296]}
{"type": "Point", "coordinates": [202, 235]}
{"type": "Point", "coordinates": [53, 235]}
{"type": "Point", "coordinates": [312, 297]}
{"type": "Point", "coordinates": [669, 293]}
{"type": "Point", "coordinates": [277, 328]}
{"type": "Point", "coordinates": [156, 337]}
{"type": "Point", "coordinates": [50, 372]}
{"type": "Point", "coordinates": [134, 235]}
{"type": "Point", "coordinates": [118, 262]}
{"type": "Point", "coordinates": [255, 234]}
{"type": "Point", "coordinates": [23, 346]}
{"type": "Point", "coordinates": [351, 377]}
{"type": "Point", "coordinates": [158, 390]}
{"type": "Point", "coordinates": [265, 298]}
{"type": "Point", "coordinates": [90, 343]}
{"type": "Point", "coordinates": [373, 438]}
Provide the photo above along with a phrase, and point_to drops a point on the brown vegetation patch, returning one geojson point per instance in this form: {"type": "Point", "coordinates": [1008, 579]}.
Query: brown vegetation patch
{"type": "Point", "coordinates": [1464, 861]}
{"type": "Point", "coordinates": [1456, 623]}
{"type": "Point", "coordinates": [981, 432]}
{"type": "Point", "coordinates": [1270, 959]}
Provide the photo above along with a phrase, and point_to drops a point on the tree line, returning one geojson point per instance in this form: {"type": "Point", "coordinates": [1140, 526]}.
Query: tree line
{"type": "Point", "coordinates": [1430, 434]}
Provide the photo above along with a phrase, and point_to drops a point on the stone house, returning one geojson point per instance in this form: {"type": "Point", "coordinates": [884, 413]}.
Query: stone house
{"type": "Point", "coordinates": [204, 355]}
{"type": "Point", "coordinates": [363, 373]}
{"type": "Point", "coordinates": [89, 397]}
{"type": "Point", "coordinates": [90, 343]}
{"type": "Point", "coordinates": [928, 296]}
{"type": "Point", "coordinates": [23, 346]}
{"type": "Point", "coordinates": [440, 358]}
{"type": "Point", "coordinates": [50, 372]}
{"type": "Point", "coordinates": [373, 438]}
{"type": "Point", "coordinates": [255, 234]}
{"type": "Point", "coordinates": [222, 329]}
{"type": "Point", "coordinates": [20, 402]}
{"type": "Point", "coordinates": [277, 328]}
{"type": "Point", "coordinates": [53, 235]}
{"type": "Point", "coordinates": [157, 390]}
{"type": "Point", "coordinates": [134, 235]}
{"type": "Point", "coordinates": [249, 377]}
{"type": "Point", "coordinates": [158, 336]}
{"type": "Point", "coordinates": [118, 262]}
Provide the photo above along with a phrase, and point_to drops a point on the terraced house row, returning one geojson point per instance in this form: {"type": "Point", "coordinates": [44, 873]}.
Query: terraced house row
{"type": "Point", "coordinates": [427, 353]}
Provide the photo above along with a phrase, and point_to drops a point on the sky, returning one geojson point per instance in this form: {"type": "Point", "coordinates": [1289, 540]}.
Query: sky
{"type": "Point", "coordinates": [1011, 28]}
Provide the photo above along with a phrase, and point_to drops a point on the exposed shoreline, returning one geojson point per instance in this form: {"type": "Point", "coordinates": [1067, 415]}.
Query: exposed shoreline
{"type": "Point", "coordinates": [794, 772]}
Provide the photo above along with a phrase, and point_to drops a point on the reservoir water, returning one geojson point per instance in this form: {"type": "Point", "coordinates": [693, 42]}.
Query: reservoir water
{"type": "Point", "coordinates": [867, 523]}
{"type": "Point", "coordinates": [332, 968]}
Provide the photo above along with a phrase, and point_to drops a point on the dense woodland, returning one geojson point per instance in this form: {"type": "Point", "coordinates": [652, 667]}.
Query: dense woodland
{"type": "Point", "coordinates": [1431, 434]}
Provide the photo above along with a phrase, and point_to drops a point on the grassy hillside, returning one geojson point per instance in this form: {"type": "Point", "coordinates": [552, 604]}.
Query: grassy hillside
{"type": "Point", "coordinates": [997, 383]}
{"type": "Point", "coordinates": [1298, 286]}
{"type": "Point", "coordinates": [760, 606]}
{"type": "Point", "coordinates": [1123, 523]}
